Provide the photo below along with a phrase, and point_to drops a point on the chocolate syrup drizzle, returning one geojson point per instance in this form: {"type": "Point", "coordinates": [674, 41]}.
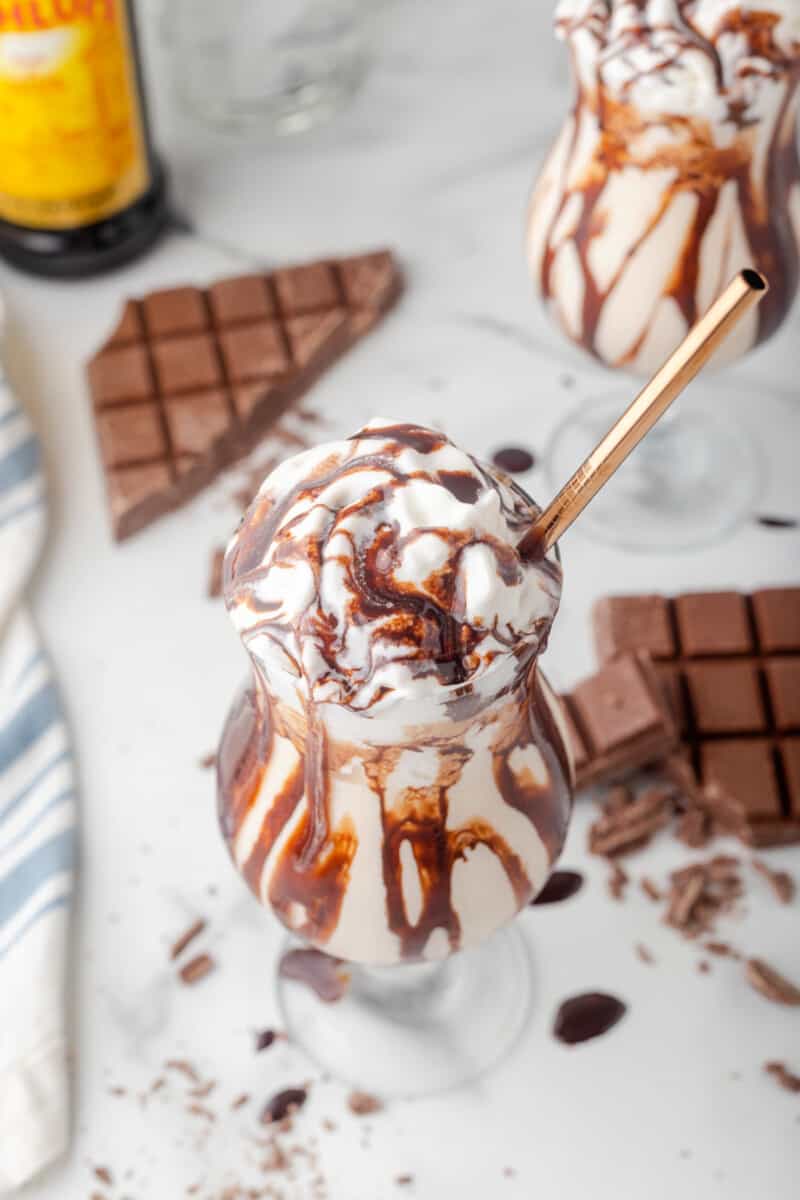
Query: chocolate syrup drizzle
{"type": "Point", "coordinates": [702, 168]}
{"type": "Point", "coordinates": [309, 873]}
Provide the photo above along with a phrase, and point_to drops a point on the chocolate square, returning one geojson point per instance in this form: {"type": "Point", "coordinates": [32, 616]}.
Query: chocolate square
{"type": "Point", "coordinates": [713, 623]}
{"type": "Point", "coordinates": [243, 298]}
{"type": "Point", "coordinates": [254, 351]}
{"type": "Point", "coordinates": [133, 433]}
{"type": "Point", "coordinates": [131, 487]}
{"type": "Point", "coordinates": [120, 374]}
{"type": "Point", "coordinates": [671, 679]}
{"type": "Point", "coordinates": [725, 697]}
{"type": "Point", "coordinates": [615, 705]}
{"type": "Point", "coordinates": [777, 618]}
{"type": "Point", "coordinates": [196, 420]}
{"type": "Point", "coordinates": [303, 289]}
{"type": "Point", "coordinates": [249, 397]}
{"type": "Point", "coordinates": [306, 334]}
{"type": "Point", "coordinates": [745, 771]}
{"type": "Point", "coordinates": [175, 310]}
{"type": "Point", "coordinates": [129, 327]}
{"type": "Point", "coordinates": [783, 680]}
{"type": "Point", "coordinates": [790, 754]}
{"type": "Point", "coordinates": [624, 623]}
{"type": "Point", "coordinates": [186, 363]}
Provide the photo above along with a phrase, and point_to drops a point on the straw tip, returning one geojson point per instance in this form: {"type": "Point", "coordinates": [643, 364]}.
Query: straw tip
{"type": "Point", "coordinates": [754, 280]}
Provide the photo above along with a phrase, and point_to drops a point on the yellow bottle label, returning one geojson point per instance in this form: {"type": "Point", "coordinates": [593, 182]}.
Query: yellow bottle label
{"type": "Point", "coordinates": [72, 147]}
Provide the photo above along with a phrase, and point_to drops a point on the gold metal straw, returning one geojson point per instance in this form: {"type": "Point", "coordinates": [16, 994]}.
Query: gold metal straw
{"type": "Point", "coordinates": [741, 294]}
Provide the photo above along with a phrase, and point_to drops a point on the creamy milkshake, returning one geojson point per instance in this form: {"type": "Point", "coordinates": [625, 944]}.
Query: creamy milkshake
{"type": "Point", "coordinates": [677, 167]}
{"type": "Point", "coordinates": [393, 781]}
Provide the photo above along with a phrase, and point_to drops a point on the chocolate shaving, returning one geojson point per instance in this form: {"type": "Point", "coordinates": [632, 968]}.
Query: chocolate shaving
{"type": "Point", "coordinates": [240, 1101]}
{"type": "Point", "coordinates": [721, 950]}
{"type": "Point", "coordinates": [215, 572]}
{"type": "Point", "coordinates": [104, 1175]}
{"type": "Point", "coordinates": [403, 1180]}
{"type": "Point", "coordinates": [197, 969]}
{"type": "Point", "coordinates": [644, 954]}
{"type": "Point", "coordinates": [183, 1067]}
{"type": "Point", "coordinates": [629, 826]}
{"type": "Point", "coordinates": [180, 944]}
{"type": "Point", "coordinates": [617, 881]}
{"type": "Point", "coordinates": [363, 1104]}
{"type": "Point", "coordinates": [781, 882]}
{"type": "Point", "coordinates": [208, 761]}
{"type": "Point", "coordinates": [649, 888]}
{"type": "Point", "coordinates": [199, 1110]}
{"type": "Point", "coordinates": [772, 985]}
{"type": "Point", "coordinates": [786, 1078]}
{"type": "Point", "coordinates": [700, 893]}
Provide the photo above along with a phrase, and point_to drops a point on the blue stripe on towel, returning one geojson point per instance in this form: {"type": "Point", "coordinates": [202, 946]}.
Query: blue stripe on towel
{"type": "Point", "coordinates": [22, 511]}
{"type": "Point", "coordinates": [65, 794]}
{"type": "Point", "coordinates": [27, 726]}
{"type": "Point", "coordinates": [55, 856]}
{"type": "Point", "coordinates": [56, 902]}
{"type": "Point", "coordinates": [22, 795]}
{"type": "Point", "coordinates": [19, 464]}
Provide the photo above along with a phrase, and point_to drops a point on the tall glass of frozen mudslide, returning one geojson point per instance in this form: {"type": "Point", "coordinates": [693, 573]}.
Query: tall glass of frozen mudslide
{"type": "Point", "coordinates": [676, 167]}
{"type": "Point", "coordinates": [394, 780]}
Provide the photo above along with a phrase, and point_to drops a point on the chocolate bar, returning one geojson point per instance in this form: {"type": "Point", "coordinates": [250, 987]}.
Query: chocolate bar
{"type": "Point", "coordinates": [192, 378]}
{"type": "Point", "coordinates": [618, 721]}
{"type": "Point", "coordinates": [730, 664]}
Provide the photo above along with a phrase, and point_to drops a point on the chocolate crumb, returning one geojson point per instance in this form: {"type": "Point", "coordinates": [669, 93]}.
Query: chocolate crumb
{"type": "Point", "coordinates": [363, 1104]}
{"type": "Point", "coordinates": [644, 954]}
{"type": "Point", "coordinates": [704, 966]}
{"type": "Point", "coordinates": [772, 985]}
{"type": "Point", "coordinates": [208, 761]}
{"type": "Point", "coordinates": [328, 1125]}
{"type": "Point", "coordinates": [786, 1078]}
{"type": "Point", "coordinates": [721, 949]}
{"type": "Point", "coordinates": [186, 938]}
{"type": "Point", "coordinates": [200, 1110]}
{"type": "Point", "coordinates": [96, 1196]}
{"type": "Point", "coordinates": [649, 888]}
{"type": "Point", "coordinates": [117, 1091]}
{"type": "Point", "coordinates": [240, 1101]}
{"type": "Point", "coordinates": [283, 1104]}
{"type": "Point", "coordinates": [197, 969]}
{"type": "Point", "coordinates": [781, 882]}
{"type": "Point", "coordinates": [264, 1039]}
{"type": "Point", "coordinates": [104, 1175]}
{"type": "Point", "coordinates": [403, 1180]}
{"type": "Point", "coordinates": [203, 1090]}
{"type": "Point", "coordinates": [215, 572]}
{"type": "Point", "coordinates": [158, 1084]}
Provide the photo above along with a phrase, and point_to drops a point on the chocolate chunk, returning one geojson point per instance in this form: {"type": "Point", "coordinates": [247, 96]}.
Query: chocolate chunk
{"type": "Point", "coordinates": [622, 721]}
{"type": "Point", "coordinates": [629, 826]}
{"type": "Point", "coordinates": [587, 1016]}
{"type": "Point", "coordinates": [560, 886]}
{"type": "Point", "coordinates": [321, 972]}
{"type": "Point", "coordinates": [283, 1104]}
{"type": "Point", "coordinates": [514, 459]}
{"type": "Point", "coordinates": [186, 938]}
{"type": "Point", "coordinates": [190, 379]}
{"type": "Point", "coordinates": [732, 678]}
{"type": "Point", "coordinates": [771, 984]}
{"type": "Point", "coordinates": [264, 1039]}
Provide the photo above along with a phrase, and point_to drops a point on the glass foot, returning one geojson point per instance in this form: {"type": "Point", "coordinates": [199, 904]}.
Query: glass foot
{"type": "Point", "coordinates": [692, 480]}
{"type": "Point", "coordinates": [415, 1029]}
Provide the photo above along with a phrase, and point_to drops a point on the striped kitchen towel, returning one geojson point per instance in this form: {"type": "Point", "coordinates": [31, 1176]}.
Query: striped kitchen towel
{"type": "Point", "coordinates": [37, 832]}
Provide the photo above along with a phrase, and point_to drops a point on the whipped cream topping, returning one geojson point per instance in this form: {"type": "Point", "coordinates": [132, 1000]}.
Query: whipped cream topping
{"type": "Point", "coordinates": [385, 565]}
{"type": "Point", "coordinates": [694, 58]}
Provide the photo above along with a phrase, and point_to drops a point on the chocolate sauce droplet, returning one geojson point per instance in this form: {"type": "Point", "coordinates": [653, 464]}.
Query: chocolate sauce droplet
{"type": "Point", "coordinates": [777, 522]}
{"type": "Point", "coordinates": [321, 972]}
{"type": "Point", "coordinates": [587, 1016]}
{"type": "Point", "coordinates": [560, 886]}
{"type": "Point", "coordinates": [282, 1104]}
{"type": "Point", "coordinates": [513, 459]}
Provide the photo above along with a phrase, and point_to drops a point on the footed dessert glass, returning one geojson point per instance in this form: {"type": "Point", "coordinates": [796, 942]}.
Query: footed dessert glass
{"type": "Point", "coordinates": [676, 168]}
{"type": "Point", "coordinates": [392, 798]}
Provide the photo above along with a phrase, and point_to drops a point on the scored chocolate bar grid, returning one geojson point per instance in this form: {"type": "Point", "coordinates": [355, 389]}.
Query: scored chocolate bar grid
{"type": "Point", "coordinates": [192, 377]}
{"type": "Point", "coordinates": [731, 667]}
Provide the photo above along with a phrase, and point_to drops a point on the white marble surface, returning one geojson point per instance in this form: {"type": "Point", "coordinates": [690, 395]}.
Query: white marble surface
{"type": "Point", "coordinates": [435, 157]}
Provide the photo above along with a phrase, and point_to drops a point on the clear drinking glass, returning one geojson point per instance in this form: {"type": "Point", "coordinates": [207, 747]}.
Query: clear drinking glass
{"type": "Point", "coordinates": [281, 66]}
{"type": "Point", "coordinates": [438, 831]}
{"type": "Point", "coordinates": [676, 167]}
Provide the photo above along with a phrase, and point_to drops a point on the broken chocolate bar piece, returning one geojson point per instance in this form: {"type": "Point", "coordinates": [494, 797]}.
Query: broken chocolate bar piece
{"type": "Point", "coordinates": [730, 664]}
{"type": "Point", "coordinates": [618, 721]}
{"type": "Point", "coordinates": [192, 377]}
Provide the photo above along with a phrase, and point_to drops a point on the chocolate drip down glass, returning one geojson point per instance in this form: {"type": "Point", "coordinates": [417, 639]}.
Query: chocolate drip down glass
{"type": "Point", "coordinates": [677, 167]}
{"type": "Point", "coordinates": [394, 780]}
